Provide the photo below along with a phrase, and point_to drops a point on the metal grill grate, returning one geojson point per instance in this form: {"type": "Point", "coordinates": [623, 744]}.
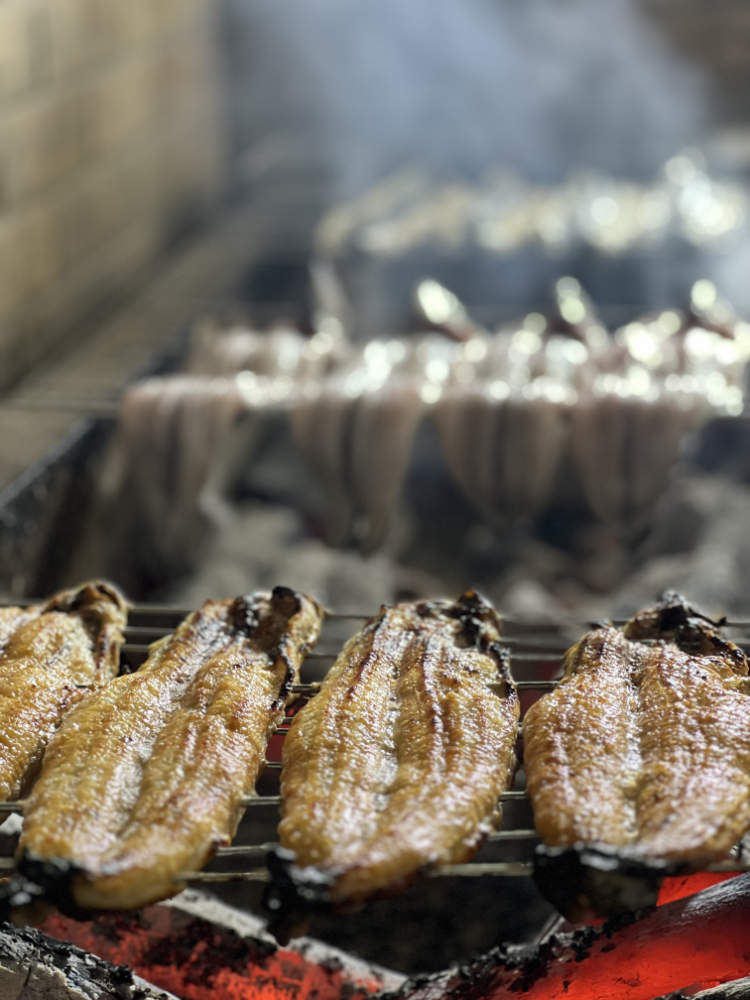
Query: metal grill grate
{"type": "Point", "coordinates": [536, 650]}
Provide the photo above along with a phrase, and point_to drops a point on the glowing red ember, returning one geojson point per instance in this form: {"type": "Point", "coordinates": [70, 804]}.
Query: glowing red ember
{"type": "Point", "coordinates": [199, 960]}
{"type": "Point", "coordinates": [687, 885]}
{"type": "Point", "coordinates": [697, 941]}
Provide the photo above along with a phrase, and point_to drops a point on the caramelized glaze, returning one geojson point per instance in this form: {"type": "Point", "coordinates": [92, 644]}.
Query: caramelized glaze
{"type": "Point", "coordinates": [145, 779]}
{"type": "Point", "coordinates": [50, 656]}
{"type": "Point", "coordinates": [398, 762]}
{"type": "Point", "coordinates": [645, 743]}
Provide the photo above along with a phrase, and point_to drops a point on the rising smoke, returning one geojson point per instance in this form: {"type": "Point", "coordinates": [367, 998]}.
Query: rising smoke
{"type": "Point", "coordinates": [543, 86]}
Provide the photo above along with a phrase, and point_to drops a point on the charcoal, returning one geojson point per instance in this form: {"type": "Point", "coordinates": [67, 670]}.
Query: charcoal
{"type": "Point", "coordinates": [738, 989]}
{"type": "Point", "coordinates": [586, 881]}
{"type": "Point", "coordinates": [36, 967]}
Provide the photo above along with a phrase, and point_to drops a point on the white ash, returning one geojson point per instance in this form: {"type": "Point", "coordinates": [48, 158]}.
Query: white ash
{"type": "Point", "coordinates": [10, 830]}
{"type": "Point", "coordinates": [265, 545]}
{"type": "Point", "coordinates": [699, 545]}
{"type": "Point", "coordinates": [11, 825]}
{"type": "Point", "coordinates": [35, 967]}
{"type": "Point", "coordinates": [247, 925]}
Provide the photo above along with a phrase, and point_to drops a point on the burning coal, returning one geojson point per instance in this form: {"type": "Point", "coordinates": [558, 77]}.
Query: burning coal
{"type": "Point", "coordinates": [688, 944]}
{"type": "Point", "coordinates": [201, 950]}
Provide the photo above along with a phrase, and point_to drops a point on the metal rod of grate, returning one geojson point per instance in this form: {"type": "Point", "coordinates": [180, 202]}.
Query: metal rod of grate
{"type": "Point", "coordinates": [174, 614]}
{"type": "Point", "coordinates": [527, 625]}
{"type": "Point", "coordinates": [474, 869]}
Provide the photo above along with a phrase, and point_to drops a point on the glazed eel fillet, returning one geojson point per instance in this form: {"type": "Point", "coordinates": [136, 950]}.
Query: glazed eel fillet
{"type": "Point", "coordinates": [398, 762]}
{"type": "Point", "coordinates": [51, 655]}
{"type": "Point", "coordinates": [644, 746]}
{"type": "Point", "coordinates": [145, 779]}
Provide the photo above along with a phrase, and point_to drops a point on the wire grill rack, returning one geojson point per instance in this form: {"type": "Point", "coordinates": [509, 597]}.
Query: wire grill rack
{"type": "Point", "coordinates": [536, 651]}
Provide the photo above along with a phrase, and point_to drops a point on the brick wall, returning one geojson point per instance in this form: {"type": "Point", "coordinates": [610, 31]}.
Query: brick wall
{"type": "Point", "coordinates": [111, 142]}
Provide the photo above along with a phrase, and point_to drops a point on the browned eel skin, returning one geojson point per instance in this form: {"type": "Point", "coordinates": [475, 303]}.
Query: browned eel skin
{"type": "Point", "coordinates": [645, 743]}
{"type": "Point", "coordinates": [50, 656]}
{"type": "Point", "coordinates": [144, 779]}
{"type": "Point", "coordinates": [397, 764]}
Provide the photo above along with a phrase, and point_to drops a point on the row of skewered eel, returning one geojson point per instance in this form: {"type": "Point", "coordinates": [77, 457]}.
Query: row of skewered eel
{"type": "Point", "coordinates": [638, 761]}
{"type": "Point", "coordinates": [550, 412]}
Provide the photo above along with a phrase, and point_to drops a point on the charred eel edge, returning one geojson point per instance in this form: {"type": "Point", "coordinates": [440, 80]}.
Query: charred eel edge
{"type": "Point", "coordinates": [86, 594]}
{"type": "Point", "coordinates": [481, 627]}
{"type": "Point", "coordinates": [245, 615]}
{"type": "Point", "coordinates": [587, 880]}
{"type": "Point", "coordinates": [293, 894]}
{"type": "Point", "coordinates": [16, 891]}
{"type": "Point", "coordinates": [50, 878]}
{"type": "Point", "coordinates": [674, 619]}
{"type": "Point", "coordinates": [89, 602]}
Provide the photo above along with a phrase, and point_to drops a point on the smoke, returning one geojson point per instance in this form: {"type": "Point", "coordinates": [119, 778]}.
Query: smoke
{"type": "Point", "coordinates": [542, 86]}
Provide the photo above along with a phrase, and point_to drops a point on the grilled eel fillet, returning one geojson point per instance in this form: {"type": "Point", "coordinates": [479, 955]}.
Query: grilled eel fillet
{"type": "Point", "coordinates": [398, 762]}
{"type": "Point", "coordinates": [645, 743]}
{"type": "Point", "coordinates": [144, 779]}
{"type": "Point", "coordinates": [50, 655]}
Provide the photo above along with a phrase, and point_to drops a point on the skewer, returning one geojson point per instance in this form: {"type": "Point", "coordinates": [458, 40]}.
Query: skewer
{"type": "Point", "coordinates": [254, 875]}
{"type": "Point", "coordinates": [86, 407]}
{"type": "Point", "coordinates": [488, 869]}
{"type": "Point", "coordinates": [235, 850]}
{"type": "Point", "coordinates": [509, 622]}
{"type": "Point", "coordinates": [504, 835]}
{"type": "Point", "coordinates": [480, 869]}
{"type": "Point", "coordinates": [136, 649]}
{"type": "Point", "coordinates": [506, 869]}
{"type": "Point", "coordinates": [178, 613]}
{"type": "Point", "coordinates": [503, 869]}
{"type": "Point", "coordinates": [239, 850]}
{"type": "Point", "coordinates": [138, 638]}
{"type": "Point", "coordinates": [250, 801]}
{"type": "Point", "coordinates": [13, 807]}
{"type": "Point", "coordinates": [476, 869]}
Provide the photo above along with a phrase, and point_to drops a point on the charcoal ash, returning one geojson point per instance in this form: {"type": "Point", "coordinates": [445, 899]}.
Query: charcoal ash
{"type": "Point", "coordinates": [10, 830]}
{"type": "Point", "coordinates": [560, 563]}
{"type": "Point", "coordinates": [36, 967]}
{"type": "Point", "coordinates": [261, 543]}
{"type": "Point", "coordinates": [698, 544]}
{"type": "Point", "coordinates": [547, 430]}
{"type": "Point", "coordinates": [196, 945]}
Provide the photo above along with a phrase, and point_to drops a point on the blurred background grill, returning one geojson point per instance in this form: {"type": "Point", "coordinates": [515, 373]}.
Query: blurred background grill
{"type": "Point", "coordinates": [170, 170]}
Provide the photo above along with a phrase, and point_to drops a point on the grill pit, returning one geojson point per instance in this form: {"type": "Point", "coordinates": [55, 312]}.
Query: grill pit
{"type": "Point", "coordinates": [196, 948]}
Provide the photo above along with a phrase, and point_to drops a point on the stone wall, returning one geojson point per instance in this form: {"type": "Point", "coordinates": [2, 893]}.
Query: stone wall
{"type": "Point", "coordinates": [112, 143]}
